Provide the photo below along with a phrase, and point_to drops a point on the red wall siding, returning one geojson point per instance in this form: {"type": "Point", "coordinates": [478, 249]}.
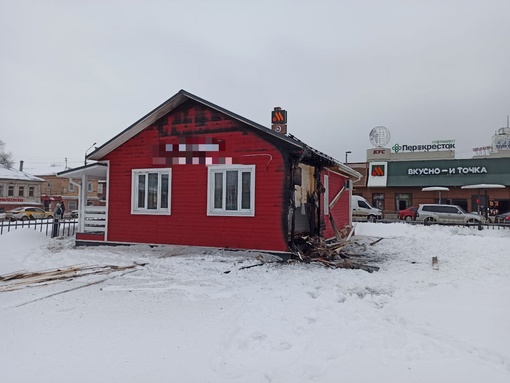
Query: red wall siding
{"type": "Point", "coordinates": [188, 223]}
{"type": "Point", "coordinates": [340, 211]}
{"type": "Point", "coordinates": [89, 237]}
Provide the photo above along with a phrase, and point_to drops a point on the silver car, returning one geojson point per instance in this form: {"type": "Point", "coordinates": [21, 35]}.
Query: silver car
{"type": "Point", "coordinates": [446, 214]}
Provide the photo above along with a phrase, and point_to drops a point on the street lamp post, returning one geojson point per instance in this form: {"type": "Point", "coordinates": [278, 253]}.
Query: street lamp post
{"type": "Point", "coordinates": [87, 151]}
{"type": "Point", "coordinates": [347, 153]}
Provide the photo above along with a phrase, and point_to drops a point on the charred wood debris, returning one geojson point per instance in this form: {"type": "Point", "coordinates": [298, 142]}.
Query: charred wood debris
{"type": "Point", "coordinates": [345, 253]}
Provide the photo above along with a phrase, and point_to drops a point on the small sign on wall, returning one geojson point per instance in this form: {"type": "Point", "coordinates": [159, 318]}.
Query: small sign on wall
{"type": "Point", "coordinates": [377, 175]}
{"type": "Point", "coordinates": [279, 120]}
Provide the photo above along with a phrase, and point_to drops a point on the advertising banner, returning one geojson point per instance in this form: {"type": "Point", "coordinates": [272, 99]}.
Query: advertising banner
{"type": "Point", "coordinates": [449, 172]}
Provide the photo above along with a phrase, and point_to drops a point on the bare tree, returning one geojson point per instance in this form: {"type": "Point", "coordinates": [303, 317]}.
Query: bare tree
{"type": "Point", "coordinates": [5, 157]}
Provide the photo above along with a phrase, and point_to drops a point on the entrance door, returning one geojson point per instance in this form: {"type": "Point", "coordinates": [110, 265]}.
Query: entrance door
{"type": "Point", "coordinates": [478, 203]}
{"type": "Point", "coordinates": [403, 201]}
{"type": "Point", "coordinates": [378, 201]}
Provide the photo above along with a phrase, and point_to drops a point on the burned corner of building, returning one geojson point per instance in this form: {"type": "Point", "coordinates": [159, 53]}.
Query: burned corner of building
{"type": "Point", "coordinates": [305, 189]}
{"type": "Point", "coordinates": [306, 216]}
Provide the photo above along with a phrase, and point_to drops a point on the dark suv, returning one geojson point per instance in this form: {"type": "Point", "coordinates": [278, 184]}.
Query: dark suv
{"type": "Point", "coordinates": [446, 213]}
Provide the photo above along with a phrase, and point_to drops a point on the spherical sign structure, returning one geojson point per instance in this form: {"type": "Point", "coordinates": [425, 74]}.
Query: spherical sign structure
{"type": "Point", "coordinates": [380, 136]}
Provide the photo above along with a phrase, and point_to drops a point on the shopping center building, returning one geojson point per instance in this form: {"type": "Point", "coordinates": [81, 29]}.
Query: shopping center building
{"type": "Point", "coordinates": [395, 177]}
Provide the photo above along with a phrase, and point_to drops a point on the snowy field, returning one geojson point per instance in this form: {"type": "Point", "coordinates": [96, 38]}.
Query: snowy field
{"type": "Point", "coordinates": [185, 317]}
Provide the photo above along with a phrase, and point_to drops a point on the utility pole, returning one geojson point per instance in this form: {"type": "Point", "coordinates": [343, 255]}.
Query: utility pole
{"type": "Point", "coordinates": [86, 153]}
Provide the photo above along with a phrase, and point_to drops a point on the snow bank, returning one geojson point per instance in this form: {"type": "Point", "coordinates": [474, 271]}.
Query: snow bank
{"type": "Point", "coordinates": [190, 317]}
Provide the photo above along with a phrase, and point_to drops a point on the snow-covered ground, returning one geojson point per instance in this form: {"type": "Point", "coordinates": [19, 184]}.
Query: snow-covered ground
{"type": "Point", "coordinates": [203, 318]}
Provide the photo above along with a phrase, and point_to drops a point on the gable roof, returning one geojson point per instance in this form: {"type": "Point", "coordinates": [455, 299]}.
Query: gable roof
{"type": "Point", "coordinates": [182, 96]}
{"type": "Point", "coordinates": [165, 108]}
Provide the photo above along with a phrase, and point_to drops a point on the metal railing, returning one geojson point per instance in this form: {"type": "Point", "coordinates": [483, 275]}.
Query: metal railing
{"type": "Point", "coordinates": [61, 228]}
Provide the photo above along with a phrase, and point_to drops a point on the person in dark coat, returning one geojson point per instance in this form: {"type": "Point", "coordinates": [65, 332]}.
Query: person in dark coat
{"type": "Point", "coordinates": [57, 215]}
{"type": "Point", "coordinates": [63, 207]}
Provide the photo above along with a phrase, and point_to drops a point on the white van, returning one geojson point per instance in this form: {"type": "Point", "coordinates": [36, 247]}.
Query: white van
{"type": "Point", "coordinates": [363, 211]}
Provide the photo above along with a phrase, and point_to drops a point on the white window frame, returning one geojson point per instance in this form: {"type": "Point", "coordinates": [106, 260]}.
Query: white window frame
{"type": "Point", "coordinates": [214, 169]}
{"type": "Point", "coordinates": [90, 187]}
{"type": "Point", "coordinates": [134, 191]}
{"type": "Point", "coordinates": [71, 186]}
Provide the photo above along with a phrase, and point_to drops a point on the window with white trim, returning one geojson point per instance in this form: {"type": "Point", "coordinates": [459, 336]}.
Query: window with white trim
{"type": "Point", "coordinates": [71, 187]}
{"type": "Point", "coordinates": [151, 191]}
{"type": "Point", "coordinates": [231, 190]}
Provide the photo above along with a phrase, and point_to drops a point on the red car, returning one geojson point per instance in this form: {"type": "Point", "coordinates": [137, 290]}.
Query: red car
{"type": "Point", "coordinates": [408, 214]}
{"type": "Point", "coordinates": [502, 218]}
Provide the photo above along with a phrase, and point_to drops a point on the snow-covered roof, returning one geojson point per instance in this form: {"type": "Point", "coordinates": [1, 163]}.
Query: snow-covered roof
{"type": "Point", "coordinates": [47, 171]}
{"type": "Point", "coordinates": [14, 174]}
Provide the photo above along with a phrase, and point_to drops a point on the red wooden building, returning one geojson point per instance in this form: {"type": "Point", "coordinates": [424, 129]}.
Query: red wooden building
{"type": "Point", "coordinates": [193, 173]}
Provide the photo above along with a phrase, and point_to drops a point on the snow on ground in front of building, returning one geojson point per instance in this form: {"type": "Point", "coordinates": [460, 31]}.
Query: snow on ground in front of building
{"type": "Point", "coordinates": [191, 316]}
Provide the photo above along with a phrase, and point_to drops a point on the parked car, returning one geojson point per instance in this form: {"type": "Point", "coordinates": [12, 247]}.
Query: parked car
{"type": "Point", "coordinates": [446, 214]}
{"type": "Point", "coordinates": [488, 219]}
{"type": "Point", "coordinates": [74, 213]}
{"type": "Point", "coordinates": [362, 210]}
{"type": "Point", "coordinates": [2, 214]}
{"type": "Point", "coordinates": [26, 213]}
{"type": "Point", "coordinates": [408, 214]}
{"type": "Point", "coordinates": [502, 218]}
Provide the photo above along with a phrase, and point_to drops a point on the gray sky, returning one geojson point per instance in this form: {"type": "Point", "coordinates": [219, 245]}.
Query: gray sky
{"type": "Point", "coordinates": [77, 72]}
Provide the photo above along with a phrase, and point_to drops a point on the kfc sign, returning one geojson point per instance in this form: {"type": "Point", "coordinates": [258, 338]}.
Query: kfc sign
{"type": "Point", "coordinates": [379, 151]}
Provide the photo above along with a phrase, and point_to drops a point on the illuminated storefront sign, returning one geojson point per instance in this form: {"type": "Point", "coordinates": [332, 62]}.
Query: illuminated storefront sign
{"type": "Point", "coordinates": [378, 174]}
{"type": "Point", "coordinates": [435, 145]}
{"type": "Point", "coordinates": [450, 170]}
{"type": "Point", "coordinates": [378, 170]}
{"type": "Point", "coordinates": [457, 172]}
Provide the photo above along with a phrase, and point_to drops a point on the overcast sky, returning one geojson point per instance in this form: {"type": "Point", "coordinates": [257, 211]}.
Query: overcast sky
{"type": "Point", "coordinates": [75, 73]}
